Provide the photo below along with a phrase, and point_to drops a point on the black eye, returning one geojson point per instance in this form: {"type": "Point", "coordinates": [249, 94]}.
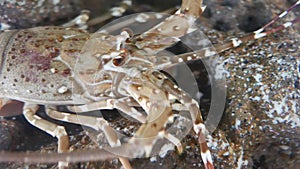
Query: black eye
{"type": "Point", "coordinates": [118, 61]}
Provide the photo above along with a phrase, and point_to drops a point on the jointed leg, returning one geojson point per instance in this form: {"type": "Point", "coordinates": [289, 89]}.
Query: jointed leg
{"type": "Point", "coordinates": [93, 122]}
{"type": "Point", "coordinates": [57, 131]}
{"type": "Point", "coordinates": [236, 42]}
{"type": "Point", "coordinates": [172, 28]}
{"type": "Point", "coordinates": [179, 107]}
{"type": "Point", "coordinates": [199, 127]}
{"type": "Point", "coordinates": [194, 110]}
{"type": "Point", "coordinates": [173, 140]}
{"type": "Point", "coordinates": [120, 104]}
{"type": "Point", "coordinates": [262, 29]}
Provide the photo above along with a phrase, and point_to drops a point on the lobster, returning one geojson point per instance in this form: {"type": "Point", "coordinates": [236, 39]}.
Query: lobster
{"type": "Point", "coordinates": [111, 72]}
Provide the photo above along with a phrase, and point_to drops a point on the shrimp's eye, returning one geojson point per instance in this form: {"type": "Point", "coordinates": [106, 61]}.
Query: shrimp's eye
{"type": "Point", "coordinates": [119, 61]}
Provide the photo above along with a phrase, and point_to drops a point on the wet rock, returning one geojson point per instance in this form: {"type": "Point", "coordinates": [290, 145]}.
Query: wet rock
{"type": "Point", "coordinates": [254, 16]}
{"type": "Point", "coordinates": [260, 124]}
{"type": "Point", "coordinates": [25, 14]}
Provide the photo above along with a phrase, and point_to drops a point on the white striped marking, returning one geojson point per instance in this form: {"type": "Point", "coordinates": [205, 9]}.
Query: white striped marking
{"type": "Point", "coordinates": [258, 31]}
{"type": "Point", "coordinates": [259, 35]}
{"type": "Point", "coordinates": [206, 157]}
{"type": "Point", "coordinates": [283, 14]}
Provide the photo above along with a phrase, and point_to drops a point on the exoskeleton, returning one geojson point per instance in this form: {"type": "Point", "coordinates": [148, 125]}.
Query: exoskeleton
{"type": "Point", "coordinates": [45, 65]}
{"type": "Point", "coordinates": [67, 66]}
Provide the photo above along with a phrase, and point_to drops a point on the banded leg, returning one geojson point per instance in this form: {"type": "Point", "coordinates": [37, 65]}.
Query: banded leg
{"type": "Point", "coordinates": [194, 110]}
{"type": "Point", "coordinates": [262, 32]}
{"type": "Point", "coordinates": [172, 28]}
{"type": "Point", "coordinates": [93, 122]}
{"type": "Point", "coordinates": [236, 42]}
{"type": "Point", "coordinates": [199, 127]}
{"type": "Point", "coordinates": [120, 104]}
{"type": "Point", "coordinates": [29, 111]}
{"type": "Point", "coordinates": [128, 110]}
{"type": "Point", "coordinates": [278, 17]}
{"type": "Point", "coordinates": [233, 43]}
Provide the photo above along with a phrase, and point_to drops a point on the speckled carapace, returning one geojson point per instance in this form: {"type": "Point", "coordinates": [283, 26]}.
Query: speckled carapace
{"type": "Point", "coordinates": [51, 65]}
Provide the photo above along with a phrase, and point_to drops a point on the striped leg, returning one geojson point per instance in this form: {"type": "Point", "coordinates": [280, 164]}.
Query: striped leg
{"type": "Point", "coordinates": [93, 122]}
{"type": "Point", "coordinates": [278, 17]}
{"type": "Point", "coordinates": [236, 42]}
{"type": "Point", "coordinates": [29, 111]}
{"type": "Point", "coordinates": [120, 104]}
{"type": "Point", "coordinates": [199, 126]}
{"type": "Point", "coordinates": [194, 110]}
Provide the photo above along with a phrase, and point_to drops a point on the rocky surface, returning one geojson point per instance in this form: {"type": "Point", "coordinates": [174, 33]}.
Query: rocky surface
{"type": "Point", "coordinates": [17, 14]}
{"type": "Point", "coordinates": [260, 124]}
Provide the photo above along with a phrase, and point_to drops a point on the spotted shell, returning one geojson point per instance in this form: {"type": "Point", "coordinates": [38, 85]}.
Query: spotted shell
{"type": "Point", "coordinates": [37, 63]}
